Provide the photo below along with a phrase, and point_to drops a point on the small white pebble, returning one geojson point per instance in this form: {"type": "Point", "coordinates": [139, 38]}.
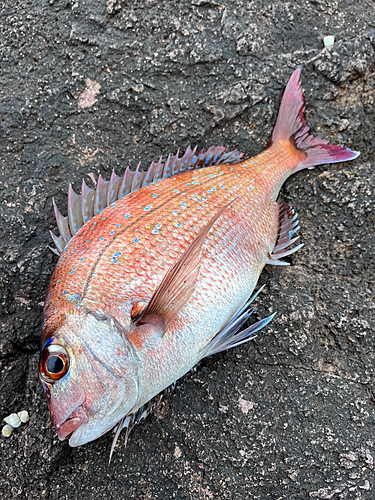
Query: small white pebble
{"type": "Point", "coordinates": [13, 419]}
{"type": "Point", "coordinates": [23, 416]}
{"type": "Point", "coordinates": [7, 430]}
{"type": "Point", "coordinates": [328, 41]}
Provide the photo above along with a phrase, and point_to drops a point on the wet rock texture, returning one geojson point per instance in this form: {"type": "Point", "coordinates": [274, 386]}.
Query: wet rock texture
{"type": "Point", "coordinates": [91, 85]}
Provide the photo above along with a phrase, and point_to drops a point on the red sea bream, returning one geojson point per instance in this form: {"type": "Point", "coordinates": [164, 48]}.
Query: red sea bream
{"type": "Point", "coordinates": [156, 269]}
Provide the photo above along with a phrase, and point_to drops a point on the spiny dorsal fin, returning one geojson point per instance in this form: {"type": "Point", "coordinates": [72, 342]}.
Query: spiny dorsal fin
{"type": "Point", "coordinates": [178, 284]}
{"type": "Point", "coordinates": [81, 208]}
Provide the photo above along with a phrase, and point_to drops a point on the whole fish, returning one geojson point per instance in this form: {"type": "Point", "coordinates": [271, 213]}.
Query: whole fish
{"type": "Point", "coordinates": [156, 269]}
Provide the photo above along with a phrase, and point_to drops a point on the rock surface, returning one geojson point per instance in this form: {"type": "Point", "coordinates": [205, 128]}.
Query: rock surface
{"type": "Point", "coordinates": [90, 85]}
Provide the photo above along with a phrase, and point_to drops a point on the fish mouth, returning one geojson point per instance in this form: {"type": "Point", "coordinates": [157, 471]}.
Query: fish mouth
{"type": "Point", "coordinates": [68, 426]}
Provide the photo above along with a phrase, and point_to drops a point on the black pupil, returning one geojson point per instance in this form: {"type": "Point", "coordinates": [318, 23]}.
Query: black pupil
{"type": "Point", "coordinates": [55, 364]}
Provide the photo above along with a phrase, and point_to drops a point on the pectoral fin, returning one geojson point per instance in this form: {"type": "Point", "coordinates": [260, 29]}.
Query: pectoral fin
{"type": "Point", "coordinates": [178, 284]}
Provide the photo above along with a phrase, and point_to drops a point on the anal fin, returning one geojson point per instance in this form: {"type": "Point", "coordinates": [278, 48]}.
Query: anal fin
{"type": "Point", "coordinates": [288, 226]}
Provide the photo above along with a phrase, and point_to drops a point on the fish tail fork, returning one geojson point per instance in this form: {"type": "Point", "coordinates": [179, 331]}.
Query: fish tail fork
{"type": "Point", "coordinates": [291, 129]}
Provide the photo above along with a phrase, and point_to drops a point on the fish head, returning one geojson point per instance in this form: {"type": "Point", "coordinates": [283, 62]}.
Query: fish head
{"type": "Point", "coordinates": [90, 376]}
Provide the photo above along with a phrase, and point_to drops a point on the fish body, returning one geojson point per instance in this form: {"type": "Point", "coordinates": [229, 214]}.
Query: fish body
{"type": "Point", "coordinates": [121, 320]}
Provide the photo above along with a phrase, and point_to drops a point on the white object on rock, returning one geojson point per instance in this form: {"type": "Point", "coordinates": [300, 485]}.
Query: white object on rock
{"type": "Point", "coordinates": [13, 419]}
{"type": "Point", "coordinates": [23, 416]}
{"type": "Point", "coordinates": [7, 430]}
{"type": "Point", "coordinates": [328, 41]}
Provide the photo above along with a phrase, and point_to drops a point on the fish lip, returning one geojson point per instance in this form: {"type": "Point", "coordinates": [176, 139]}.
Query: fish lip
{"type": "Point", "coordinates": [77, 418]}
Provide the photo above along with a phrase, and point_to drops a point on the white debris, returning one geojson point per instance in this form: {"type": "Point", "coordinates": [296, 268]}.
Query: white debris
{"type": "Point", "coordinates": [13, 419]}
{"type": "Point", "coordinates": [110, 6]}
{"type": "Point", "coordinates": [245, 405]}
{"type": "Point", "coordinates": [23, 416]}
{"type": "Point", "coordinates": [7, 430]}
{"type": "Point", "coordinates": [87, 97]}
{"type": "Point", "coordinates": [328, 41]}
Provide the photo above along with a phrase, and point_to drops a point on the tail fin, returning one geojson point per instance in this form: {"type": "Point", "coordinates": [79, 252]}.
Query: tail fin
{"type": "Point", "coordinates": [291, 125]}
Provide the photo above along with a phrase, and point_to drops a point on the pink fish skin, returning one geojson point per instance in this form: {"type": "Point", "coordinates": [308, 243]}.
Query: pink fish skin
{"type": "Point", "coordinates": [158, 279]}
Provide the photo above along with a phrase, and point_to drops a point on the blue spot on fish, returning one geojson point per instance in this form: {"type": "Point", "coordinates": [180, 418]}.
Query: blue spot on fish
{"type": "Point", "coordinates": [154, 195]}
{"type": "Point", "coordinates": [114, 258]}
{"type": "Point", "coordinates": [118, 225]}
{"type": "Point", "coordinates": [147, 208]}
{"type": "Point", "coordinates": [112, 232]}
{"type": "Point", "coordinates": [64, 292]}
{"type": "Point", "coordinates": [127, 216]}
{"type": "Point", "coordinates": [136, 240]}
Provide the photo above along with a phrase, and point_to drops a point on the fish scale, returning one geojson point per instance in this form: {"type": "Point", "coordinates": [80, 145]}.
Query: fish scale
{"type": "Point", "coordinates": [92, 239]}
{"type": "Point", "coordinates": [95, 244]}
{"type": "Point", "coordinates": [161, 278]}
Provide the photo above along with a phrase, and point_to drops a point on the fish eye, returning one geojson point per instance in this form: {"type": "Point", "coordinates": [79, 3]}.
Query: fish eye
{"type": "Point", "coordinates": [55, 365]}
{"type": "Point", "coordinates": [53, 362]}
